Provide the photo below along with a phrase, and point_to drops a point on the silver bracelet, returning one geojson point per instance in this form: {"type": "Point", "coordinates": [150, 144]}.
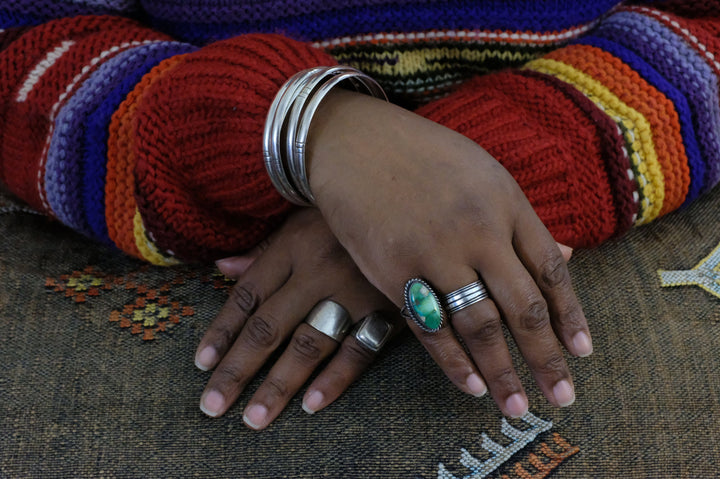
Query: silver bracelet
{"type": "Point", "coordinates": [288, 124]}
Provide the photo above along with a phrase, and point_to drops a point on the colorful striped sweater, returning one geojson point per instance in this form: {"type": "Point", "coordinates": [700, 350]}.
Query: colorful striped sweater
{"type": "Point", "coordinates": [139, 123]}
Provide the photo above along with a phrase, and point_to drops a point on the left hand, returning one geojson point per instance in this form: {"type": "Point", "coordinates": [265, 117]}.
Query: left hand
{"type": "Point", "coordinates": [278, 283]}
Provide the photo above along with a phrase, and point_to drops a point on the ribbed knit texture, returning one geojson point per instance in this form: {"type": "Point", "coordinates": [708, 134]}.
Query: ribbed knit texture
{"type": "Point", "coordinates": [416, 49]}
{"type": "Point", "coordinates": [154, 146]}
{"type": "Point", "coordinates": [197, 145]}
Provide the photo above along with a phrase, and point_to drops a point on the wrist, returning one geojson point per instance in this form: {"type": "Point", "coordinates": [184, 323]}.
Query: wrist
{"type": "Point", "coordinates": [289, 121]}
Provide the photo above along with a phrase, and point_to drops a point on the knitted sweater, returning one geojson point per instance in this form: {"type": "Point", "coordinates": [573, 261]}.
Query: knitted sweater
{"type": "Point", "coordinates": [140, 124]}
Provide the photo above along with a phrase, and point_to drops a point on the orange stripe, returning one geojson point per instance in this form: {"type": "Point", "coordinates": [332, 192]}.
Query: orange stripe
{"type": "Point", "coordinates": [120, 203]}
{"type": "Point", "coordinates": [659, 111]}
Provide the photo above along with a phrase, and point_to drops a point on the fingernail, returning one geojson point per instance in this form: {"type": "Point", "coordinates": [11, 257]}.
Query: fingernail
{"type": "Point", "coordinates": [255, 416]}
{"type": "Point", "coordinates": [564, 393]}
{"type": "Point", "coordinates": [234, 267]}
{"type": "Point", "coordinates": [582, 344]}
{"type": "Point", "coordinates": [476, 385]}
{"type": "Point", "coordinates": [206, 358]}
{"type": "Point", "coordinates": [212, 403]}
{"type": "Point", "coordinates": [313, 402]}
{"type": "Point", "coordinates": [516, 405]}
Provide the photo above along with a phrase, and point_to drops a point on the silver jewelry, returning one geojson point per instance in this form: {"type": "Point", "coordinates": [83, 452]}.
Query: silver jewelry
{"type": "Point", "coordinates": [288, 123]}
{"type": "Point", "coordinates": [373, 331]}
{"type": "Point", "coordinates": [342, 74]}
{"type": "Point", "coordinates": [466, 296]}
{"type": "Point", "coordinates": [422, 305]}
{"type": "Point", "coordinates": [331, 319]}
{"type": "Point", "coordinates": [272, 152]}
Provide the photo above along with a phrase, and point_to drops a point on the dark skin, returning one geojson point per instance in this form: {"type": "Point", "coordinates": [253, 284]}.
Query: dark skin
{"type": "Point", "coordinates": [406, 198]}
{"type": "Point", "coordinates": [278, 284]}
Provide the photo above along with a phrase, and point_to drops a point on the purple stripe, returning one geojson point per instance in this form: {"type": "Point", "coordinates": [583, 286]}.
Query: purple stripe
{"type": "Point", "coordinates": [496, 13]}
{"type": "Point", "coordinates": [670, 55]}
{"type": "Point", "coordinates": [64, 169]}
{"type": "Point", "coordinates": [97, 130]}
{"type": "Point", "coordinates": [206, 21]}
{"type": "Point", "coordinates": [57, 9]}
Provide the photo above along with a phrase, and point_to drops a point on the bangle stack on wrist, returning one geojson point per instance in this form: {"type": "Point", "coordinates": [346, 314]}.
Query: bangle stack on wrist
{"type": "Point", "coordinates": [288, 124]}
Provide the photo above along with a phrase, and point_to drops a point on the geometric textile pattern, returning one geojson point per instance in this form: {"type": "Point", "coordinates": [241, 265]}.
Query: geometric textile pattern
{"type": "Point", "coordinates": [706, 274]}
{"type": "Point", "coordinates": [152, 311]}
{"type": "Point", "coordinates": [520, 438]}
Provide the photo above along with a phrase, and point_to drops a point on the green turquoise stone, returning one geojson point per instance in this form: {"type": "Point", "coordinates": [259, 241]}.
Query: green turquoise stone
{"type": "Point", "coordinates": [425, 306]}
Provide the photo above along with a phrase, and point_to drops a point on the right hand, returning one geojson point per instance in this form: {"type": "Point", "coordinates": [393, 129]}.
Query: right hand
{"type": "Point", "coordinates": [408, 198]}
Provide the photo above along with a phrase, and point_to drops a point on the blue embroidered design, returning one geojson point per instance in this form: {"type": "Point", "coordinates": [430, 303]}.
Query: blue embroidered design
{"type": "Point", "coordinates": [706, 274]}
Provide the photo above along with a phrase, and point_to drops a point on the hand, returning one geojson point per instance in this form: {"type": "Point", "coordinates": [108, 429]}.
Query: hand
{"type": "Point", "coordinates": [409, 198]}
{"type": "Point", "coordinates": [278, 284]}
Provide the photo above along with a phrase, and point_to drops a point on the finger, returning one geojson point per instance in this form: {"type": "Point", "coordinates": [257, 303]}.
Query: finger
{"type": "Point", "coordinates": [480, 327]}
{"type": "Point", "coordinates": [442, 345]}
{"type": "Point", "coordinates": [304, 353]}
{"type": "Point", "coordinates": [534, 246]}
{"type": "Point", "coordinates": [346, 366]}
{"type": "Point", "coordinates": [261, 334]}
{"type": "Point", "coordinates": [262, 280]}
{"type": "Point", "coordinates": [236, 266]}
{"type": "Point", "coordinates": [525, 311]}
{"type": "Point", "coordinates": [565, 251]}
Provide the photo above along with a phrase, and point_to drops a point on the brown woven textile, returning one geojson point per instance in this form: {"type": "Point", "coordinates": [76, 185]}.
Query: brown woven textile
{"type": "Point", "coordinates": [83, 395]}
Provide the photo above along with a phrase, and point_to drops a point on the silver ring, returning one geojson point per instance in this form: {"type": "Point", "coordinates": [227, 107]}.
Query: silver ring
{"type": "Point", "coordinates": [466, 296]}
{"type": "Point", "coordinates": [422, 305]}
{"type": "Point", "coordinates": [373, 331]}
{"type": "Point", "coordinates": [331, 319]}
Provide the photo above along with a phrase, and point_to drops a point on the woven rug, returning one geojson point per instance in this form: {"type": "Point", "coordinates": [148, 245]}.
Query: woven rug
{"type": "Point", "coordinates": [98, 380]}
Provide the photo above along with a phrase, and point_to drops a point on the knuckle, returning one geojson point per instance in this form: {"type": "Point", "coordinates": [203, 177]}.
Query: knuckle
{"type": "Point", "coordinates": [262, 333]}
{"type": "Point", "coordinates": [221, 335]}
{"type": "Point", "coordinates": [245, 297]}
{"type": "Point", "coordinates": [553, 272]}
{"type": "Point", "coordinates": [305, 348]}
{"type": "Point", "coordinates": [484, 332]}
{"type": "Point", "coordinates": [356, 352]}
{"type": "Point", "coordinates": [231, 374]}
{"type": "Point", "coordinates": [503, 379]}
{"type": "Point", "coordinates": [535, 316]}
{"type": "Point", "coordinates": [277, 387]}
{"type": "Point", "coordinates": [554, 365]}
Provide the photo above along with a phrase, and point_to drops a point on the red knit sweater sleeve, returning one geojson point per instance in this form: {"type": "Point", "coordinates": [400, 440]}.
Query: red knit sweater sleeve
{"type": "Point", "coordinates": [201, 185]}
{"type": "Point", "coordinates": [142, 142]}
{"type": "Point", "coordinates": [154, 146]}
{"type": "Point", "coordinates": [616, 129]}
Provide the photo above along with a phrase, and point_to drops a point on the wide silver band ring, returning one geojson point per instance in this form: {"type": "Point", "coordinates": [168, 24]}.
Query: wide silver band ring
{"type": "Point", "coordinates": [466, 296]}
{"type": "Point", "coordinates": [331, 319]}
{"type": "Point", "coordinates": [373, 331]}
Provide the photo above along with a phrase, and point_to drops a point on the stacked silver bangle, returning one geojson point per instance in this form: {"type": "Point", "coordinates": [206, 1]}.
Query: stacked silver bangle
{"type": "Point", "coordinates": [288, 123]}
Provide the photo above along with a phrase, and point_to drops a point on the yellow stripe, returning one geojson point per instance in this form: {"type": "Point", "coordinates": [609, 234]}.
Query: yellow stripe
{"type": "Point", "coordinates": [413, 62]}
{"type": "Point", "coordinates": [639, 135]}
{"type": "Point", "coordinates": [148, 250]}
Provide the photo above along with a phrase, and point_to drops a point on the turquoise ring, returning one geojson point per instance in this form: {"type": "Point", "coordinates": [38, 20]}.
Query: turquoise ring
{"type": "Point", "coordinates": [423, 306]}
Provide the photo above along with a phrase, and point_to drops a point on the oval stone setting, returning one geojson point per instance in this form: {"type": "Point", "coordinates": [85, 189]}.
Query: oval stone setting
{"type": "Point", "coordinates": [423, 305]}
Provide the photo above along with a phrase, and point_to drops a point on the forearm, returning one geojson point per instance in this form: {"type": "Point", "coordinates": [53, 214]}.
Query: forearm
{"type": "Point", "coordinates": [129, 137]}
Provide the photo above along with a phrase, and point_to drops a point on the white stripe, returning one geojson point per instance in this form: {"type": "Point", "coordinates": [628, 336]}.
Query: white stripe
{"type": "Point", "coordinates": [34, 76]}
{"type": "Point", "coordinates": [61, 100]}
{"type": "Point", "coordinates": [474, 34]}
{"type": "Point", "coordinates": [688, 35]}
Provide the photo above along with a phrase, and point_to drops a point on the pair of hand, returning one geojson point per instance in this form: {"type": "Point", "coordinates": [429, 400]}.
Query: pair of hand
{"type": "Point", "coordinates": [405, 198]}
